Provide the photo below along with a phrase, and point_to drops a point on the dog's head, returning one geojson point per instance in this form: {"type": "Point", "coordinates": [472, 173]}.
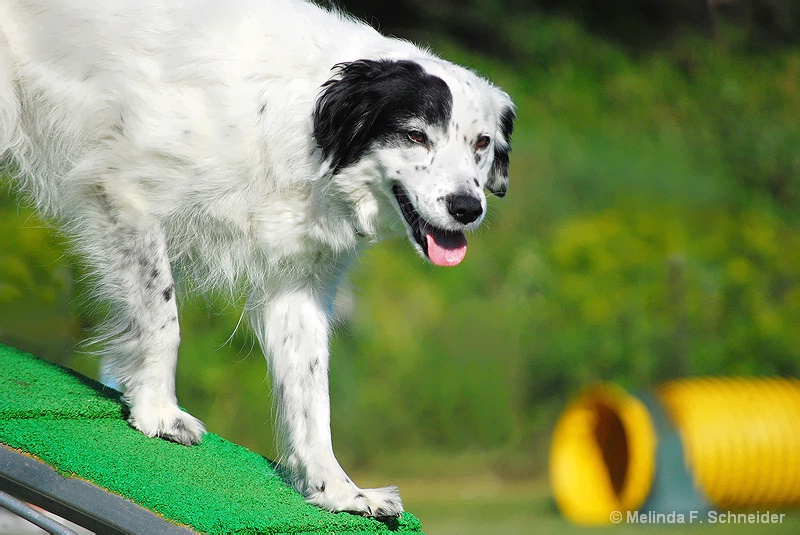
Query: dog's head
{"type": "Point", "coordinates": [438, 136]}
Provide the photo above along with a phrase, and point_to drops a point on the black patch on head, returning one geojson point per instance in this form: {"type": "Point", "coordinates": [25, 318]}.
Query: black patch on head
{"type": "Point", "coordinates": [371, 101]}
{"type": "Point", "coordinates": [498, 175]}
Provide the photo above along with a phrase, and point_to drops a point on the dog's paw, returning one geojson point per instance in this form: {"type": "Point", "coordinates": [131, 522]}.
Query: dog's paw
{"type": "Point", "coordinates": [379, 503]}
{"type": "Point", "coordinates": [169, 423]}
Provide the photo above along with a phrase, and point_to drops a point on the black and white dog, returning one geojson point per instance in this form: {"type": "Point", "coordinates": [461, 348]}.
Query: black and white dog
{"type": "Point", "coordinates": [260, 144]}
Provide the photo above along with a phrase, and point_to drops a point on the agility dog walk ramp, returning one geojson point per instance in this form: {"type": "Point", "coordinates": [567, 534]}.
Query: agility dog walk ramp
{"type": "Point", "coordinates": [66, 447]}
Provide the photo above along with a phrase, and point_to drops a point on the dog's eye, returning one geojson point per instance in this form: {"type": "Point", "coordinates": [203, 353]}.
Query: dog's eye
{"type": "Point", "coordinates": [482, 142]}
{"type": "Point", "coordinates": [417, 136]}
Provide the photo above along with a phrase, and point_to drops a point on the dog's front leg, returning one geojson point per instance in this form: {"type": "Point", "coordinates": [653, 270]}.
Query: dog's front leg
{"type": "Point", "coordinates": [293, 328]}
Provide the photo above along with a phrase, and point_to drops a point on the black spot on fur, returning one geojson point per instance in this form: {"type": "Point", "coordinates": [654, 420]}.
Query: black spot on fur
{"type": "Point", "coordinates": [313, 366]}
{"type": "Point", "coordinates": [360, 496]}
{"type": "Point", "coordinates": [178, 425]}
{"type": "Point", "coordinates": [90, 73]}
{"type": "Point", "coordinates": [168, 293]}
{"type": "Point", "coordinates": [372, 101]}
{"type": "Point", "coordinates": [321, 487]}
{"type": "Point", "coordinates": [498, 175]}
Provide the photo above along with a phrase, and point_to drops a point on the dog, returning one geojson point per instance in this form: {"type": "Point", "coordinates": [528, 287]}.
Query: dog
{"type": "Point", "coordinates": [258, 145]}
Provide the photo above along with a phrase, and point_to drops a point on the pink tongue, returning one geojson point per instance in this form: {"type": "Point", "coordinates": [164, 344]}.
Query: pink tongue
{"type": "Point", "coordinates": [446, 249]}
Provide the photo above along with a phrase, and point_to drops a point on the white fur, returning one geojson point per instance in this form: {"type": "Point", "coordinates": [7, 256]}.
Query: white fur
{"type": "Point", "coordinates": [164, 133]}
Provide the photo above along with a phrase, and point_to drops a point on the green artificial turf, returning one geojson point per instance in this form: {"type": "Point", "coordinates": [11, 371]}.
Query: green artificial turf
{"type": "Point", "coordinates": [77, 426]}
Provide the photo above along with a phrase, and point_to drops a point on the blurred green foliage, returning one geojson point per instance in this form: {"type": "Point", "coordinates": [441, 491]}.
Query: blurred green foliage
{"type": "Point", "coordinates": [36, 284]}
{"type": "Point", "coordinates": [651, 231]}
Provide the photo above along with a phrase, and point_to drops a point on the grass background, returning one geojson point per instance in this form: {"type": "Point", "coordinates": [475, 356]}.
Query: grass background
{"type": "Point", "coordinates": [651, 231]}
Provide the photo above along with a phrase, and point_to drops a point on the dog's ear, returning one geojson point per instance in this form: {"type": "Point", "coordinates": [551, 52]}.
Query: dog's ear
{"type": "Point", "coordinates": [344, 112]}
{"type": "Point", "coordinates": [498, 174]}
{"type": "Point", "coordinates": [367, 100]}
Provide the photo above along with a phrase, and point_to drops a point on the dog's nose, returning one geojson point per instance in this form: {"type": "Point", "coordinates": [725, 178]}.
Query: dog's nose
{"type": "Point", "coordinates": [464, 208]}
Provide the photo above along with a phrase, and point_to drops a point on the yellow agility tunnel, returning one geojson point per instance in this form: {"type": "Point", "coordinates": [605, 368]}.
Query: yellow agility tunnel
{"type": "Point", "coordinates": [710, 443]}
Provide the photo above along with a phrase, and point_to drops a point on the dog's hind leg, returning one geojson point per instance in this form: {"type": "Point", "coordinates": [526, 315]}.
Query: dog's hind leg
{"type": "Point", "coordinates": [127, 247]}
{"type": "Point", "coordinates": [293, 330]}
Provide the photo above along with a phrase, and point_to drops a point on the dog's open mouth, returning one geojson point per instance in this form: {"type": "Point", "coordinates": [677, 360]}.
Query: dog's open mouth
{"type": "Point", "coordinates": [442, 247]}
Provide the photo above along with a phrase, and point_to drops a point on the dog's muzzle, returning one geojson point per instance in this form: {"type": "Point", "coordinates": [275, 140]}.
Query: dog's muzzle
{"type": "Point", "coordinates": [442, 247]}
